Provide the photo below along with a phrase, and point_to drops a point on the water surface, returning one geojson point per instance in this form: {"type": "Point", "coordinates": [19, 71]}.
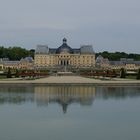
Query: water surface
{"type": "Point", "coordinates": [69, 113]}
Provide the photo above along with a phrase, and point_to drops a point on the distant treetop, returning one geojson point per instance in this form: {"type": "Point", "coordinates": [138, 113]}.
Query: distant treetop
{"type": "Point", "coordinates": [116, 56]}
{"type": "Point", "coordinates": [15, 53]}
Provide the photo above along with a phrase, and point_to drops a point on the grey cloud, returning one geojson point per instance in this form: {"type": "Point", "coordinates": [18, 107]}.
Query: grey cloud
{"type": "Point", "coordinates": [107, 24]}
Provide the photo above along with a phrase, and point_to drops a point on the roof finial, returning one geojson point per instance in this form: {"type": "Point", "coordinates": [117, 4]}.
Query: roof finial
{"type": "Point", "coordinates": [64, 40]}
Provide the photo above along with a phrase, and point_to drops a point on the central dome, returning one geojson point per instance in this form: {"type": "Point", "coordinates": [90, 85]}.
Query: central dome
{"type": "Point", "coordinates": [64, 48]}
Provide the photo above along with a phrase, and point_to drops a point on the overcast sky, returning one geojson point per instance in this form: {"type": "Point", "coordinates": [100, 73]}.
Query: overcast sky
{"type": "Point", "coordinates": [109, 25]}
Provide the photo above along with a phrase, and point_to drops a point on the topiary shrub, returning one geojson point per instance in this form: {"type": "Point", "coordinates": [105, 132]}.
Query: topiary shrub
{"type": "Point", "coordinates": [123, 73]}
{"type": "Point", "coordinates": [138, 75]}
{"type": "Point", "coordinates": [9, 75]}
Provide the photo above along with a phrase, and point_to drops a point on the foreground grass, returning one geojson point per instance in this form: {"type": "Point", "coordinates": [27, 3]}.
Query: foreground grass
{"type": "Point", "coordinates": [3, 77]}
{"type": "Point", "coordinates": [133, 77]}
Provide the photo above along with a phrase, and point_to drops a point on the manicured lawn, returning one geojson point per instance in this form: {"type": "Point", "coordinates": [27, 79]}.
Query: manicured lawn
{"type": "Point", "coordinates": [2, 77]}
{"type": "Point", "coordinates": [131, 77]}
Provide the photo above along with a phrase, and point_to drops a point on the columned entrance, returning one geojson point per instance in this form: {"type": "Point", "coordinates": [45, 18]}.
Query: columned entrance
{"type": "Point", "coordinates": [64, 62]}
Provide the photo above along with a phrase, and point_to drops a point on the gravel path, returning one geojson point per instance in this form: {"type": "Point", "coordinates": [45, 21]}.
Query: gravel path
{"type": "Point", "coordinates": [70, 80]}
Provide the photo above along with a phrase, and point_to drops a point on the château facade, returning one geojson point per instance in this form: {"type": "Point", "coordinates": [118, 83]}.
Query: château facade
{"type": "Point", "coordinates": [128, 64]}
{"type": "Point", "coordinates": [24, 63]}
{"type": "Point", "coordinates": [64, 56]}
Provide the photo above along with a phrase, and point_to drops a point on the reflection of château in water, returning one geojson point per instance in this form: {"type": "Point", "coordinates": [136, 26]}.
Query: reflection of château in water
{"type": "Point", "coordinates": [65, 95]}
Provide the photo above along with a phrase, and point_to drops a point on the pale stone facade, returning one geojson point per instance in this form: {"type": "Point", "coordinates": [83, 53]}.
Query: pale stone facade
{"type": "Point", "coordinates": [26, 63]}
{"type": "Point", "coordinates": [64, 56]}
{"type": "Point", "coordinates": [128, 64]}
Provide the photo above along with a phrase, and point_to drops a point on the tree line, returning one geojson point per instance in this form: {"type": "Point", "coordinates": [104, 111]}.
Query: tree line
{"type": "Point", "coordinates": [115, 56]}
{"type": "Point", "coordinates": [15, 53]}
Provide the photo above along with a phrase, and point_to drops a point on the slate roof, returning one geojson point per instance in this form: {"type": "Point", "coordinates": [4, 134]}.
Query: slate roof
{"type": "Point", "coordinates": [76, 51]}
{"type": "Point", "coordinates": [87, 49]}
{"type": "Point", "coordinates": [11, 62]}
{"type": "Point", "coordinates": [116, 63]}
{"type": "Point", "coordinates": [84, 49]}
{"type": "Point", "coordinates": [64, 47]}
{"type": "Point", "coordinates": [137, 62]}
{"type": "Point", "coordinates": [52, 50]}
{"type": "Point", "coordinates": [42, 49]}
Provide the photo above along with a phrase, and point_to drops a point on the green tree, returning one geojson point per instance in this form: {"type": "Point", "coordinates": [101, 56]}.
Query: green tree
{"type": "Point", "coordinates": [115, 56]}
{"type": "Point", "coordinates": [9, 75]}
{"type": "Point", "coordinates": [123, 73]}
{"type": "Point", "coordinates": [17, 73]}
{"type": "Point", "coordinates": [138, 75]}
{"type": "Point", "coordinates": [15, 53]}
{"type": "Point", "coordinates": [32, 52]}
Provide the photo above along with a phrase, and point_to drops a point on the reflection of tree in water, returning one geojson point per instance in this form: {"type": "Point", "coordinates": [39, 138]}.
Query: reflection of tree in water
{"type": "Point", "coordinates": [117, 92]}
{"type": "Point", "coordinates": [65, 95]}
{"type": "Point", "coordinates": [15, 94]}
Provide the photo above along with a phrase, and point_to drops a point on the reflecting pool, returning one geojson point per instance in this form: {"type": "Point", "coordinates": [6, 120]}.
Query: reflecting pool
{"type": "Point", "coordinates": [69, 113]}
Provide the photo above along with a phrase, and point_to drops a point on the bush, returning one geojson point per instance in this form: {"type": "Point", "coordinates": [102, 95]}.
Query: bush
{"type": "Point", "coordinates": [17, 73]}
{"type": "Point", "coordinates": [9, 75]}
{"type": "Point", "coordinates": [123, 73]}
{"type": "Point", "coordinates": [138, 75]}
